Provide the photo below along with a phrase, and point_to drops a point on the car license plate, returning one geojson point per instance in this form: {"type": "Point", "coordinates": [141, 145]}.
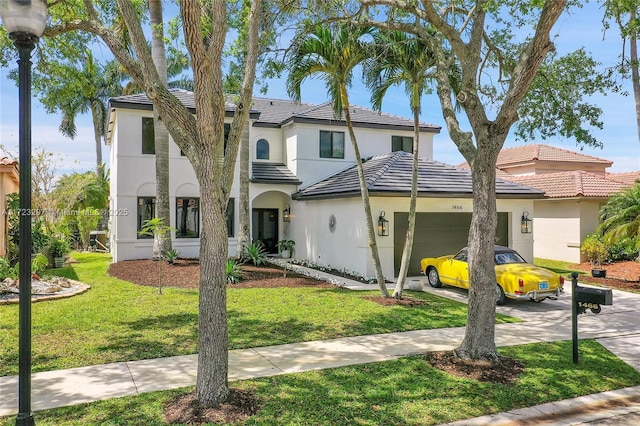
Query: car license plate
{"type": "Point", "coordinates": [544, 285]}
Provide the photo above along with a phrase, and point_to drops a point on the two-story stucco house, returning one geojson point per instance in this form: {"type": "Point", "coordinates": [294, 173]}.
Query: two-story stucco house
{"type": "Point", "coordinates": [304, 187]}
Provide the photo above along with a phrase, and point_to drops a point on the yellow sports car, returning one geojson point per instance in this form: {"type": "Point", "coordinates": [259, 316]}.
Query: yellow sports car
{"type": "Point", "coordinates": [516, 278]}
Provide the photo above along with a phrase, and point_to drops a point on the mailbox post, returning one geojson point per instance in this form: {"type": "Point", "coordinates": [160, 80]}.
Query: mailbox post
{"type": "Point", "coordinates": [583, 298]}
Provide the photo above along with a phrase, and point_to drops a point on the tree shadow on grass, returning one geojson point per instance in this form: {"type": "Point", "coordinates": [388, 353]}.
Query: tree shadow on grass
{"type": "Point", "coordinates": [248, 332]}
{"type": "Point", "coordinates": [66, 272]}
{"type": "Point", "coordinates": [155, 337]}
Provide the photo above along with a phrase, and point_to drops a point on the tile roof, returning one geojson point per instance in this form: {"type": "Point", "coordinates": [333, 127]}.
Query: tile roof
{"type": "Point", "coordinates": [540, 152]}
{"type": "Point", "coordinates": [272, 173]}
{"type": "Point", "coordinates": [571, 184]}
{"type": "Point", "coordinates": [391, 174]}
{"type": "Point", "coordinates": [278, 112]}
{"type": "Point", "coordinates": [628, 178]}
{"type": "Point", "coordinates": [141, 101]}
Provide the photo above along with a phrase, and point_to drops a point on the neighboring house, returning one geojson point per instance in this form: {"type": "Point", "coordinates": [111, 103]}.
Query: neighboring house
{"type": "Point", "coordinates": [9, 183]}
{"type": "Point", "coordinates": [304, 187]}
{"type": "Point", "coordinates": [576, 187]}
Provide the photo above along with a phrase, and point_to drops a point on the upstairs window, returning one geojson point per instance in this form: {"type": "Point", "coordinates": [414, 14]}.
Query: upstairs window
{"type": "Point", "coordinates": [187, 217]}
{"type": "Point", "coordinates": [148, 136]}
{"type": "Point", "coordinates": [402, 143]}
{"type": "Point", "coordinates": [262, 149]}
{"type": "Point", "coordinates": [146, 211]}
{"type": "Point", "coordinates": [331, 144]}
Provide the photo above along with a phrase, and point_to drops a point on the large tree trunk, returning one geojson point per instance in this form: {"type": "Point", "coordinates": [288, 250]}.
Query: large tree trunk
{"type": "Point", "coordinates": [364, 191]}
{"type": "Point", "coordinates": [243, 203]}
{"type": "Point", "coordinates": [212, 385]}
{"type": "Point", "coordinates": [161, 242]}
{"type": "Point", "coordinates": [408, 243]}
{"type": "Point", "coordinates": [479, 338]}
{"type": "Point", "coordinates": [97, 135]}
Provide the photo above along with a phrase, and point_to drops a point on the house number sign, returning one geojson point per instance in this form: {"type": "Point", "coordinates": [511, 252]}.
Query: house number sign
{"type": "Point", "coordinates": [456, 207]}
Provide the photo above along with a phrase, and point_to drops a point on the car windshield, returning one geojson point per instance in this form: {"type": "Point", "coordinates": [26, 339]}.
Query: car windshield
{"type": "Point", "coordinates": [508, 257]}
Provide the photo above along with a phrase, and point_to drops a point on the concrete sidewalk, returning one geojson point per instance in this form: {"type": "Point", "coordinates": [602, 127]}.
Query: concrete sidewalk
{"type": "Point", "coordinates": [92, 383]}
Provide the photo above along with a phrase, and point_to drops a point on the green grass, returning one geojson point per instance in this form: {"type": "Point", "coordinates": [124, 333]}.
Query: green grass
{"type": "Point", "coordinates": [406, 391]}
{"type": "Point", "coordinates": [558, 266]}
{"type": "Point", "coordinates": [120, 321]}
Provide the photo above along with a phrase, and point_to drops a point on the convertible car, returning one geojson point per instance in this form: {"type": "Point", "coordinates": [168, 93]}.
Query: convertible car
{"type": "Point", "coordinates": [516, 279]}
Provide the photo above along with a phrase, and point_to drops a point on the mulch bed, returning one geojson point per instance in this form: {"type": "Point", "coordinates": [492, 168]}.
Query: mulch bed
{"type": "Point", "coordinates": [621, 275]}
{"type": "Point", "coordinates": [185, 273]}
{"type": "Point", "coordinates": [238, 408]}
{"type": "Point", "coordinates": [505, 371]}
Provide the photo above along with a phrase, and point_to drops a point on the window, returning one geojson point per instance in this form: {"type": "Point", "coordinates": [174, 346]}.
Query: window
{"type": "Point", "coordinates": [187, 217]}
{"type": "Point", "coordinates": [402, 143]}
{"type": "Point", "coordinates": [146, 211]}
{"type": "Point", "coordinates": [231, 210]}
{"type": "Point", "coordinates": [148, 136]}
{"type": "Point", "coordinates": [262, 149]}
{"type": "Point", "coordinates": [331, 144]}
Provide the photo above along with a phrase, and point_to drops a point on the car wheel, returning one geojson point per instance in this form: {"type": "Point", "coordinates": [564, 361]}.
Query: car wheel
{"type": "Point", "coordinates": [433, 277]}
{"type": "Point", "coordinates": [500, 297]}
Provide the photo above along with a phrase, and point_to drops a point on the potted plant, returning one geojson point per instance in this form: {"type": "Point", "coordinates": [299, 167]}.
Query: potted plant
{"type": "Point", "coordinates": [59, 249]}
{"type": "Point", "coordinates": [286, 248]}
{"type": "Point", "coordinates": [596, 251]}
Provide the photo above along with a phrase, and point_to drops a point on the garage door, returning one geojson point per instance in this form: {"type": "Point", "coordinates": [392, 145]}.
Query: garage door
{"type": "Point", "coordinates": [437, 234]}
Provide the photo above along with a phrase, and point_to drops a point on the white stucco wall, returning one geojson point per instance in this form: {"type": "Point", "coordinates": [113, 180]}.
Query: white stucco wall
{"type": "Point", "coordinates": [559, 227]}
{"type": "Point", "coordinates": [310, 168]}
{"type": "Point", "coordinates": [347, 246]}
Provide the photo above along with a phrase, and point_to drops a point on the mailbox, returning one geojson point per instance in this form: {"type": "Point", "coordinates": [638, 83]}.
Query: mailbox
{"type": "Point", "coordinates": [600, 296]}
{"type": "Point", "coordinates": [591, 298]}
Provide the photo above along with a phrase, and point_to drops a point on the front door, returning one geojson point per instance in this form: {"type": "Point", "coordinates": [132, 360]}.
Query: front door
{"type": "Point", "coordinates": [264, 225]}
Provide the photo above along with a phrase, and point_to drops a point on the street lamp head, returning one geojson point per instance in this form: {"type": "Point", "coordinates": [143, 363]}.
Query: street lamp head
{"type": "Point", "coordinates": [24, 18]}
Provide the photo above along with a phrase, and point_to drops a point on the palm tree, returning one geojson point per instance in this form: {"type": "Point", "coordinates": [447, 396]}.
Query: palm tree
{"type": "Point", "coordinates": [401, 59]}
{"type": "Point", "coordinates": [75, 87]}
{"type": "Point", "coordinates": [331, 52]}
{"type": "Point", "coordinates": [621, 216]}
{"type": "Point", "coordinates": [162, 240]}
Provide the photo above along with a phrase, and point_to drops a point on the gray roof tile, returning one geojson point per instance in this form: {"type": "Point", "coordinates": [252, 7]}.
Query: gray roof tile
{"type": "Point", "coordinates": [277, 112]}
{"type": "Point", "coordinates": [272, 173]}
{"type": "Point", "coordinates": [391, 174]}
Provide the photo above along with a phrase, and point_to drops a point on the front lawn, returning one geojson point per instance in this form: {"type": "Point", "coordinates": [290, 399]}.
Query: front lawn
{"type": "Point", "coordinates": [406, 391]}
{"type": "Point", "coordinates": [120, 321]}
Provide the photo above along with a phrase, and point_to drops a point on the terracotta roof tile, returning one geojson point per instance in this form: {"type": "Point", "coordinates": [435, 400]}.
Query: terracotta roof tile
{"type": "Point", "coordinates": [570, 184]}
{"type": "Point", "coordinates": [540, 152]}
{"type": "Point", "coordinates": [6, 161]}
{"type": "Point", "coordinates": [628, 178]}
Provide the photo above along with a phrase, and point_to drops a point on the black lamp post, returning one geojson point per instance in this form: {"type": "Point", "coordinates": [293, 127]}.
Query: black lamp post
{"type": "Point", "coordinates": [24, 21]}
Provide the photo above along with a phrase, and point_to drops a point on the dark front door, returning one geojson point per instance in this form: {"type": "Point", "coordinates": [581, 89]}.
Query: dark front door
{"type": "Point", "coordinates": [265, 228]}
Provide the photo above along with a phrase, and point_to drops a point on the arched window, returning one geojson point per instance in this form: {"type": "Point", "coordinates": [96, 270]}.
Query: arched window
{"type": "Point", "coordinates": [262, 150]}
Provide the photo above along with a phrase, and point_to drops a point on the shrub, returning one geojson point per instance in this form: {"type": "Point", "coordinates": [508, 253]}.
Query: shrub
{"type": "Point", "coordinates": [59, 247]}
{"type": "Point", "coordinates": [255, 254]}
{"type": "Point", "coordinates": [594, 248]}
{"type": "Point", "coordinates": [624, 249]}
{"type": "Point", "coordinates": [6, 271]}
{"type": "Point", "coordinates": [234, 273]}
{"type": "Point", "coordinates": [39, 264]}
{"type": "Point", "coordinates": [171, 256]}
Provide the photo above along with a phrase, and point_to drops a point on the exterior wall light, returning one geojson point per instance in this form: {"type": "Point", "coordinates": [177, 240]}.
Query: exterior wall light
{"type": "Point", "coordinates": [383, 225]}
{"type": "Point", "coordinates": [286, 213]}
{"type": "Point", "coordinates": [526, 224]}
{"type": "Point", "coordinates": [24, 21]}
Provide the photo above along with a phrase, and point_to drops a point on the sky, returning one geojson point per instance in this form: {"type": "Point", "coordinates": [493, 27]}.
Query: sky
{"type": "Point", "coordinates": [580, 28]}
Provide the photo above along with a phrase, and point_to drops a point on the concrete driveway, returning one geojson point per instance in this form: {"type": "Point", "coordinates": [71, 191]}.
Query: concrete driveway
{"type": "Point", "coordinates": [617, 327]}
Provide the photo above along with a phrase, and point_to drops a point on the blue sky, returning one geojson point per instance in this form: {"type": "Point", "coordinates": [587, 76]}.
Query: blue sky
{"type": "Point", "coordinates": [581, 28]}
